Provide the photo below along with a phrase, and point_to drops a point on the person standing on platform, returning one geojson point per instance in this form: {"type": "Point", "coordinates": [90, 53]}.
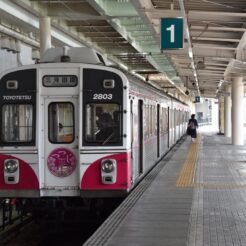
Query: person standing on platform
{"type": "Point", "coordinates": [192, 126]}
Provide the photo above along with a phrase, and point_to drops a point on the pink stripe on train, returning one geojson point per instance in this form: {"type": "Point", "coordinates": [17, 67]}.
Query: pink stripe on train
{"type": "Point", "coordinates": [27, 180]}
{"type": "Point", "coordinates": [91, 180]}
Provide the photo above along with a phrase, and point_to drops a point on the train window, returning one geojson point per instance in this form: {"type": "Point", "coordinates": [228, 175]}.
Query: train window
{"type": "Point", "coordinates": [147, 121]}
{"type": "Point", "coordinates": [150, 120]}
{"type": "Point", "coordinates": [171, 118]}
{"type": "Point", "coordinates": [164, 120]}
{"type": "Point", "coordinates": [161, 120]}
{"type": "Point", "coordinates": [17, 123]}
{"type": "Point", "coordinates": [103, 124]}
{"type": "Point", "coordinates": [154, 124]}
{"type": "Point", "coordinates": [61, 122]}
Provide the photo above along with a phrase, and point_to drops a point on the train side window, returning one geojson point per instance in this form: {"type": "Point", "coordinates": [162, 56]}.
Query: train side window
{"type": "Point", "coordinates": [61, 122]}
{"type": "Point", "coordinates": [151, 120]}
{"type": "Point", "coordinates": [103, 124]}
{"type": "Point", "coordinates": [17, 123]}
{"type": "Point", "coordinates": [164, 120]}
{"type": "Point", "coordinates": [146, 121]}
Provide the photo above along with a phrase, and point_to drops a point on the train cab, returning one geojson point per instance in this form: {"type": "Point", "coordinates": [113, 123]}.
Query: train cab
{"type": "Point", "coordinates": [64, 130]}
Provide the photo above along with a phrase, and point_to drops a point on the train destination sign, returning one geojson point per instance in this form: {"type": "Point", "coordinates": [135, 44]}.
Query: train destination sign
{"type": "Point", "coordinates": [172, 33]}
{"type": "Point", "coordinates": [60, 80]}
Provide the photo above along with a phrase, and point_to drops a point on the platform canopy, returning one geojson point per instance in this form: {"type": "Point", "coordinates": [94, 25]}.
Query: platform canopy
{"type": "Point", "coordinates": [128, 33]}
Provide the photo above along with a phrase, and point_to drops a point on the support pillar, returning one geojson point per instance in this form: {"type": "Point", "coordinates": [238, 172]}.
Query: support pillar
{"type": "Point", "coordinates": [221, 115]}
{"type": "Point", "coordinates": [227, 111]}
{"type": "Point", "coordinates": [45, 34]}
{"type": "Point", "coordinates": [237, 111]}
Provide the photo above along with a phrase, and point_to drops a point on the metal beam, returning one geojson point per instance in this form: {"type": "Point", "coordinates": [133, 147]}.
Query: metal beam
{"type": "Point", "coordinates": [241, 46]}
{"type": "Point", "coordinates": [233, 40]}
{"type": "Point", "coordinates": [197, 51]}
{"type": "Point", "coordinates": [213, 46]}
{"type": "Point", "coordinates": [217, 13]}
{"type": "Point", "coordinates": [216, 28]}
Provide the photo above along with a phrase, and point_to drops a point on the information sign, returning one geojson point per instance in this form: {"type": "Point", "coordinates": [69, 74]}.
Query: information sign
{"type": "Point", "coordinates": [197, 99]}
{"type": "Point", "coordinates": [172, 33]}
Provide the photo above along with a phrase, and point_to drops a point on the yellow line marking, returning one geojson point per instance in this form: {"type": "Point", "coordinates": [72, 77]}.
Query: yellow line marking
{"type": "Point", "coordinates": [186, 177]}
{"type": "Point", "coordinates": [187, 173]}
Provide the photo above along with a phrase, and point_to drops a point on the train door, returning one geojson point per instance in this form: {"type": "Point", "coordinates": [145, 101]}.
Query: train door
{"type": "Point", "coordinates": [172, 131]}
{"type": "Point", "coordinates": [175, 124]}
{"type": "Point", "coordinates": [158, 130]}
{"type": "Point", "coordinates": [132, 142]}
{"type": "Point", "coordinates": [61, 146]}
{"type": "Point", "coordinates": [168, 127]}
{"type": "Point", "coordinates": [179, 123]}
{"type": "Point", "coordinates": [140, 139]}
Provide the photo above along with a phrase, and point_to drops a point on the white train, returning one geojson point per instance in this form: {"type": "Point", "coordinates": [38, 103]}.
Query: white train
{"type": "Point", "coordinates": [73, 127]}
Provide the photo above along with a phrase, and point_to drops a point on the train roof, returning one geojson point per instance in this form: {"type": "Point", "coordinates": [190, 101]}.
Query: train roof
{"type": "Point", "coordinates": [73, 55]}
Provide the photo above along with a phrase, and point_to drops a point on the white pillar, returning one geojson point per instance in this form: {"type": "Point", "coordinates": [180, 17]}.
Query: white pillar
{"type": "Point", "coordinates": [221, 115]}
{"type": "Point", "coordinates": [237, 111]}
{"type": "Point", "coordinates": [227, 111]}
{"type": "Point", "coordinates": [45, 34]}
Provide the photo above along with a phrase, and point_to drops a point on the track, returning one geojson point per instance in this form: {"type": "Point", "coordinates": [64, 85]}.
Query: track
{"type": "Point", "coordinates": [74, 230]}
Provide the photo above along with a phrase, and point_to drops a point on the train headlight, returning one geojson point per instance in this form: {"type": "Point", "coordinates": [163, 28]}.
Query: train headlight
{"type": "Point", "coordinates": [108, 171]}
{"type": "Point", "coordinates": [108, 165]}
{"type": "Point", "coordinates": [11, 165]}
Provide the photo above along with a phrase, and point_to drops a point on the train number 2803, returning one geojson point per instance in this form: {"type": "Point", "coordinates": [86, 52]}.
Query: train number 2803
{"type": "Point", "coordinates": [102, 96]}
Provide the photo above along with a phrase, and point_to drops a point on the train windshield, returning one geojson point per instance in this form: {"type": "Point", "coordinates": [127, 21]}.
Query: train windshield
{"type": "Point", "coordinates": [103, 124]}
{"type": "Point", "coordinates": [17, 123]}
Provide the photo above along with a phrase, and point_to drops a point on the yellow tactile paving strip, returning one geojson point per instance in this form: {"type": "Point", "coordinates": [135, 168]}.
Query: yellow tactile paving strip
{"type": "Point", "coordinates": [188, 171]}
{"type": "Point", "coordinates": [186, 177]}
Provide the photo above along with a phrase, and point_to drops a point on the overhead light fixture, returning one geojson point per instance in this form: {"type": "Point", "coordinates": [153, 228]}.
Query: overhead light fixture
{"type": "Point", "coordinates": [140, 76]}
{"type": "Point", "coordinates": [190, 52]}
{"type": "Point", "coordinates": [220, 83]}
{"type": "Point", "coordinates": [123, 66]}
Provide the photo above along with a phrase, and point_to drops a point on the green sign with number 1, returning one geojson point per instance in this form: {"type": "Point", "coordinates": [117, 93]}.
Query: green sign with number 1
{"type": "Point", "coordinates": [172, 33]}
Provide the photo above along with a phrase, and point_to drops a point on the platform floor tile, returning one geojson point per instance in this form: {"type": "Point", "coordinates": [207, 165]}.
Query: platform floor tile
{"type": "Point", "coordinates": [218, 215]}
{"type": "Point", "coordinates": [207, 208]}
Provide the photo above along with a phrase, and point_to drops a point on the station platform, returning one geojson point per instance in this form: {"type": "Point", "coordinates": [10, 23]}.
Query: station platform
{"type": "Point", "coordinates": [195, 196]}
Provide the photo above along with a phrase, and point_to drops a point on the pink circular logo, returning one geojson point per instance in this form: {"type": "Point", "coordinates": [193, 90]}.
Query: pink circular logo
{"type": "Point", "coordinates": [61, 162]}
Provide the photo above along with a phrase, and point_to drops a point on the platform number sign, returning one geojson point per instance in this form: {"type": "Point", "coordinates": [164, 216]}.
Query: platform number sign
{"type": "Point", "coordinates": [172, 33]}
{"type": "Point", "coordinates": [197, 99]}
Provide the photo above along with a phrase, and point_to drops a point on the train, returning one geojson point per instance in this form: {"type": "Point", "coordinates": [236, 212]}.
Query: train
{"type": "Point", "coordinates": [73, 126]}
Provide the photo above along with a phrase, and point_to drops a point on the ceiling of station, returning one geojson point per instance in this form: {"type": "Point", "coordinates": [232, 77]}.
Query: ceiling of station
{"type": "Point", "coordinates": [128, 32]}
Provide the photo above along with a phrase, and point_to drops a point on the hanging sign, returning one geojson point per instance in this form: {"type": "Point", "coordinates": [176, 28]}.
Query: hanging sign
{"type": "Point", "coordinates": [172, 33]}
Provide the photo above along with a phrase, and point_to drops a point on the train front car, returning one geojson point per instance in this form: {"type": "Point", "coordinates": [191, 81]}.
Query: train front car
{"type": "Point", "coordinates": [105, 144]}
{"type": "Point", "coordinates": [65, 129]}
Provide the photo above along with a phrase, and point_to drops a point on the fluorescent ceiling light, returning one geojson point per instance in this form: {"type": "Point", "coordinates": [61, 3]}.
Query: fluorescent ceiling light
{"type": "Point", "coordinates": [190, 52]}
